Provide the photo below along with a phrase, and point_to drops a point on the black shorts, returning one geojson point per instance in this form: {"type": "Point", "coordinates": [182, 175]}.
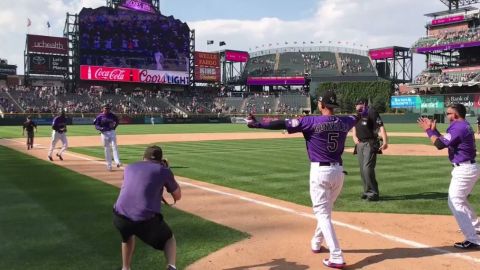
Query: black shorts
{"type": "Point", "coordinates": [154, 232]}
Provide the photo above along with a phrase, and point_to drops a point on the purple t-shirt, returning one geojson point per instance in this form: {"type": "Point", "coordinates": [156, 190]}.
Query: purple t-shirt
{"type": "Point", "coordinates": [59, 124]}
{"type": "Point", "coordinates": [106, 122]}
{"type": "Point", "coordinates": [141, 193]}
{"type": "Point", "coordinates": [324, 135]}
{"type": "Point", "coordinates": [460, 140]}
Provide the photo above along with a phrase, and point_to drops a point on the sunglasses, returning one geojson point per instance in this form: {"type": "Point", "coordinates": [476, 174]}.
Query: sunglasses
{"type": "Point", "coordinates": [448, 113]}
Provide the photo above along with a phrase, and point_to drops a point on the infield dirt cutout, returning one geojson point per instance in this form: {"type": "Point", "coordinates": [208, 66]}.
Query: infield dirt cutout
{"type": "Point", "coordinates": [280, 231]}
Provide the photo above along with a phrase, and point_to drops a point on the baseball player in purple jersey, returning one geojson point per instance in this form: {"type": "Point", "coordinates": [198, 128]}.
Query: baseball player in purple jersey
{"type": "Point", "coordinates": [137, 210]}
{"type": "Point", "coordinates": [59, 132]}
{"type": "Point", "coordinates": [325, 137]}
{"type": "Point", "coordinates": [460, 141]}
{"type": "Point", "coordinates": [106, 123]}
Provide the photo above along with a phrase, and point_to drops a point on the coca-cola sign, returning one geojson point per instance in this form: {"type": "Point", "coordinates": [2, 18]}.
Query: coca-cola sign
{"type": "Point", "coordinates": [46, 44]}
{"type": "Point", "coordinates": [94, 73]}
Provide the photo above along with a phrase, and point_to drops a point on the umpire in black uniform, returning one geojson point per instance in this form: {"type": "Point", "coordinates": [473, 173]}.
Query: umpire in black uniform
{"type": "Point", "coordinates": [367, 146]}
{"type": "Point", "coordinates": [29, 125]}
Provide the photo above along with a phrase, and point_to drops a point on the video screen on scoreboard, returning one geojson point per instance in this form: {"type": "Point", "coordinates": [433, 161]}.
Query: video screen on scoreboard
{"type": "Point", "coordinates": [130, 39]}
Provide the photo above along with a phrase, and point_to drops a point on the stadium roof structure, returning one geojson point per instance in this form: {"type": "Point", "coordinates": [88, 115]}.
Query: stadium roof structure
{"type": "Point", "coordinates": [459, 3]}
{"type": "Point", "coordinates": [453, 11]}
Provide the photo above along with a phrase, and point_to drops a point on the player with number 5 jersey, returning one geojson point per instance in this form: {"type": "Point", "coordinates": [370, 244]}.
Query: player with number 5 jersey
{"type": "Point", "coordinates": [325, 137]}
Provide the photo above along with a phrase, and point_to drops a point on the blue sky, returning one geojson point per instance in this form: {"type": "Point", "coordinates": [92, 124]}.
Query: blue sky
{"type": "Point", "coordinates": [240, 10]}
{"type": "Point", "coordinates": [245, 24]}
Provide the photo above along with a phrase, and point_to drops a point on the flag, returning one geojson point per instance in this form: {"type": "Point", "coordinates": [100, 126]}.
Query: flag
{"type": "Point", "coordinates": [209, 42]}
{"type": "Point", "coordinates": [29, 22]}
{"type": "Point", "coordinates": [48, 24]}
{"type": "Point", "coordinates": [222, 43]}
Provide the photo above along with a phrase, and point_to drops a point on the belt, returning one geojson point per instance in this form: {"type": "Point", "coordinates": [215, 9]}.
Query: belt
{"type": "Point", "coordinates": [464, 163]}
{"type": "Point", "coordinates": [329, 163]}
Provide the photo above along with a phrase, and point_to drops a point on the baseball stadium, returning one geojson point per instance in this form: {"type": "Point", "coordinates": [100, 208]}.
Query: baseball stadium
{"type": "Point", "coordinates": [228, 123]}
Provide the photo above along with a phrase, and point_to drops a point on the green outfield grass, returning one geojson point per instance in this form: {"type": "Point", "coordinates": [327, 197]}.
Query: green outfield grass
{"type": "Point", "coordinates": [53, 218]}
{"type": "Point", "coordinates": [279, 169]}
{"type": "Point", "coordinates": [46, 131]}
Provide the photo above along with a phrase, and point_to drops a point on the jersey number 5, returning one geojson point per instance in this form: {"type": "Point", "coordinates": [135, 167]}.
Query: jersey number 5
{"type": "Point", "coordinates": [333, 142]}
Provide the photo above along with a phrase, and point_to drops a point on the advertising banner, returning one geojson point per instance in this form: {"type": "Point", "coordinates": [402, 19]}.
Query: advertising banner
{"type": "Point", "coordinates": [138, 5]}
{"type": "Point", "coordinates": [432, 102]}
{"type": "Point", "coordinates": [95, 73]}
{"type": "Point", "coordinates": [380, 54]}
{"type": "Point", "coordinates": [47, 64]}
{"type": "Point", "coordinates": [405, 102]}
{"type": "Point", "coordinates": [448, 47]}
{"type": "Point", "coordinates": [465, 99]}
{"type": "Point", "coordinates": [8, 69]}
{"type": "Point", "coordinates": [46, 44]}
{"type": "Point", "coordinates": [207, 67]}
{"type": "Point", "coordinates": [237, 56]}
{"type": "Point", "coordinates": [163, 77]}
{"type": "Point", "coordinates": [275, 81]}
{"type": "Point", "coordinates": [448, 20]}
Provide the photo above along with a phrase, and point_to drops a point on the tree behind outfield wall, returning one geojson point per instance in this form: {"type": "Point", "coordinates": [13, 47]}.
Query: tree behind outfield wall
{"type": "Point", "coordinates": [378, 93]}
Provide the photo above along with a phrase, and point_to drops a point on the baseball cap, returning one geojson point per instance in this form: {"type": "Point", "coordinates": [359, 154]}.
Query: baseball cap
{"type": "Point", "coordinates": [329, 98]}
{"type": "Point", "coordinates": [153, 152]}
{"type": "Point", "coordinates": [106, 106]}
{"type": "Point", "coordinates": [362, 101]}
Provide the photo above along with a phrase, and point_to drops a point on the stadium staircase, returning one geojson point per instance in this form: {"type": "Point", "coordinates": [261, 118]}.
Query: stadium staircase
{"type": "Point", "coordinates": [175, 109]}
{"type": "Point", "coordinates": [15, 102]}
{"type": "Point", "coordinates": [339, 62]}
{"type": "Point", "coordinates": [277, 61]}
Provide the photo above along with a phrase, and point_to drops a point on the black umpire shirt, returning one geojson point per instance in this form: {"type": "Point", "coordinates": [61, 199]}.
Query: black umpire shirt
{"type": "Point", "coordinates": [367, 127]}
{"type": "Point", "coordinates": [29, 125]}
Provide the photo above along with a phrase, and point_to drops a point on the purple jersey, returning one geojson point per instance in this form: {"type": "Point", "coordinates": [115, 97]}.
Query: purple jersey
{"type": "Point", "coordinates": [59, 124]}
{"type": "Point", "coordinates": [141, 193]}
{"type": "Point", "coordinates": [460, 140]}
{"type": "Point", "coordinates": [106, 122]}
{"type": "Point", "coordinates": [324, 135]}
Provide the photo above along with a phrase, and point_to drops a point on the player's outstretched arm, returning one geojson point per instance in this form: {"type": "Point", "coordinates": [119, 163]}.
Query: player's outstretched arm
{"type": "Point", "coordinates": [272, 125]}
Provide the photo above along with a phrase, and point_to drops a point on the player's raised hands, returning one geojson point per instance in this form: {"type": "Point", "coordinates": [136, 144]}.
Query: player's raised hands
{"type": "Point", "coordinates": [425, 123]}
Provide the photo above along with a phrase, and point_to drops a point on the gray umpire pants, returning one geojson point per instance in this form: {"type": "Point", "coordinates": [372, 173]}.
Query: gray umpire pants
{"type": "Point", "coordinates": [367, 159]}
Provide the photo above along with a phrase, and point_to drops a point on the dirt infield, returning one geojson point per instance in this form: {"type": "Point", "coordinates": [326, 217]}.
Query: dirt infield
{"type": "Point", "coordinates": [280, 231]}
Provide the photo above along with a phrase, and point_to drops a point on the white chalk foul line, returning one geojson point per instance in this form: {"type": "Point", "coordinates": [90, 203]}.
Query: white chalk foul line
{"type": "Point", "coordinates": [311, 216]}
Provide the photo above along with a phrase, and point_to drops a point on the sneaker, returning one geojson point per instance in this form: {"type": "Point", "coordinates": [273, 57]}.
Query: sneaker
{"type": "Point", "coordinates": [119, 165]}
{"type": "Point", "coordinates": [109, 168]}
{"type": "Point", "coordinates": [466, 245]}
{"type": "Point", "coordinates": [51, 159]}
{"type": "Point", "coordinates": [60, 156]}
{"type": "Point", "coordinates": [171, 267]}
{"type": "Point", "coordinates": [330, 264]}
{"type": "Point", "coordinates": [316, 247]}
{"type": "Point", "coordinates": [373, 198]}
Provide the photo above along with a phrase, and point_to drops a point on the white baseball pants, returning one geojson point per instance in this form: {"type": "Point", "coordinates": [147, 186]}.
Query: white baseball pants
{"type": "Point", "coordinates": [463, 180]}
{"type": "Point", "coordinates": [55, 137]}
{"type": "Point", "coordinates": [326, 183]}
{"type": "Point", "coordinates": [109, 139]}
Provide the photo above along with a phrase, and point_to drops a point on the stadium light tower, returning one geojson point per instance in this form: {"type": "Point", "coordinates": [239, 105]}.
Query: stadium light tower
{"type": "Point", "coordinates": [456, 4]}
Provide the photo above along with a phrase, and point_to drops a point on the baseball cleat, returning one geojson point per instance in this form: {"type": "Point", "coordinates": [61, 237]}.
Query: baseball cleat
{"type": "Point", "coordinates": [51, 159]}
{"type": "Point", "coordinates": [60, 157]}
{"type": "Point", "coordinates": [119, 165]}
{"type": "Point", "coordinates": [330, 264]}
{"type": "Point", "coordinates": [316, 247]}
{"type": "Point", "coordinates": [466, 245]}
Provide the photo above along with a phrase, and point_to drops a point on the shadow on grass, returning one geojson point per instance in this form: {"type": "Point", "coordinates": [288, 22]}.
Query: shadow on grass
{"type": "Point", "coordinates": [276, 264]}
{"type": "Point", "coordinates": [418, 196]}
{"type": "Point", "coordinates": [399, 253]}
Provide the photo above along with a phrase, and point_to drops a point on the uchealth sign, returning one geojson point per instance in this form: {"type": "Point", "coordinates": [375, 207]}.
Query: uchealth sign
{"type": "Point", "coordinates": [96, 73]}
{"type": "Point", "coordinates": [47, 44]}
